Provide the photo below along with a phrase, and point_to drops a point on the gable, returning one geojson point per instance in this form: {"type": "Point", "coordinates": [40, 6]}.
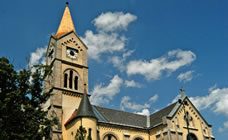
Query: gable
{"type": "Point", "coordinates": [196, 123]}
{"type": "Point", "coordinates": [70, 42]}
{"type": "Point", "coordinates": [69, 34]}
{"type": "Point", "coordinates": [190, 108]}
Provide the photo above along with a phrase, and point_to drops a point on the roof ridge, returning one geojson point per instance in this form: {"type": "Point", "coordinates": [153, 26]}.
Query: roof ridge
{"type": "Point", "coordinates": [119, 110]}
{"type": "Point", "coordinates": [163, 108]}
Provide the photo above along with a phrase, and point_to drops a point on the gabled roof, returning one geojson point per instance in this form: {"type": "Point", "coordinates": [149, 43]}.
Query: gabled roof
{"type": "Point", "coordinates": [118, 117]}
{"type": "Point", "coordinates": [156, 118]}
{"type": "Point", "coordinates": [121, 117]}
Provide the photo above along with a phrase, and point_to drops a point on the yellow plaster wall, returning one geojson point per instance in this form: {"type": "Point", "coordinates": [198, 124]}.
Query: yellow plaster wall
{"type": "Point", "coordinates": [155, 131]}
{"type": "Point", "coordinates": [195, 127]}
{"type": "Point", "coordinates": [69, 104]}
{"type": "Point", "coordinates": [119, 132]}
{"type": "Point", "coordinates": [87, 123]}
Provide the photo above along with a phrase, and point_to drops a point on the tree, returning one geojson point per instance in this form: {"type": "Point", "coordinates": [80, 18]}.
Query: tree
{"type": "Point", "coordinates": [21, 99]}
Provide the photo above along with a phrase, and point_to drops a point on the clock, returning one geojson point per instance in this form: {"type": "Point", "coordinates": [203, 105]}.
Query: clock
{"type": "Point", "coordinates": [72, 53]}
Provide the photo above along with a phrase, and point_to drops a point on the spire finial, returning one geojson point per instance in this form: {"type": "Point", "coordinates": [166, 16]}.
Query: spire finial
{"type": "Point", "coordinates": [67, 3]}
{"type": "Point", "coordinates": [182, 92]}
{"type": "Point", "coordinates": [182, 89]}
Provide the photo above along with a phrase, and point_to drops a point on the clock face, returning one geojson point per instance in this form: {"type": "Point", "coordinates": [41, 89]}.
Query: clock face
{"type": "Point", "coordinates": [72, 53]}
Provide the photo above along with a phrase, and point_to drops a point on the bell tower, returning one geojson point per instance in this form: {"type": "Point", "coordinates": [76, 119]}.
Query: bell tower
{"type": "Point", "coordinates": [67, 56]}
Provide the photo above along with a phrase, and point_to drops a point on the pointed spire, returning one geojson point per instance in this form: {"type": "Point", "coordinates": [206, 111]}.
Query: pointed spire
{"type": "Point", "coordinates": [85, 109]}
{"type": "Point", "coordinates": [66, 24]}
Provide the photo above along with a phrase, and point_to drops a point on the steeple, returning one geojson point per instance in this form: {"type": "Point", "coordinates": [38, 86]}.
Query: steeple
{"type": "Point", "coordinates": [85, 109]}
{"type": "Point", "coordinates": [66, 24]}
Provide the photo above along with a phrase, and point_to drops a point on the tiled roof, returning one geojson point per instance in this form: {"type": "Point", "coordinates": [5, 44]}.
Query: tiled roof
{"type": "Point", "coordinates": [131, 119]}
{"type": "Point", "coordinates": [156, 118]}
{"type": "Point", "coordinates": [118, 117]}
{"type": "Point", "coordinates": [122, 117]}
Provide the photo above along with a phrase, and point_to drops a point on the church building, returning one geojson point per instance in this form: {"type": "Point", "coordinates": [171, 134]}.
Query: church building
{"type": "Point", "coordinates": [68, 84]}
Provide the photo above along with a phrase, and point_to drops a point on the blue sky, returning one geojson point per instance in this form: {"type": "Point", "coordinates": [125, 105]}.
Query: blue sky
{"type": "Point", "coordinates": [142, 51]}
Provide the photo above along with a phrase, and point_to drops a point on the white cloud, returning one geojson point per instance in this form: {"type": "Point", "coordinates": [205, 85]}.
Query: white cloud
{"type": "Point", "coordinates": [103, 94]}
{"type": "Point", "coordinates": [145, 112]}
{"type": "Point", "coordinates": [153, 99]}
{"type": "Point", "coordinates": [107, 39]}
{"type": "Point", "coordinates": [126, 103]}
{"type": "Point", "coordinates": [103, 43]}
{"type": "Point", "coordinates": [37, 57]}
{"type": "Point", "coordinates": [185, 77]}
{"type": "Point", "coordinates": [216, 100]}
{"type": "Point", "coordinates": [212, 88]}
{"type": "Point", "coordinates": [128, 53]}
{"type": "Point", "coordinates": [153, 69]}
{"type": "Point", "coordinates": [119, 62]}
{"type": "Point", "coordinates": [113, 21]}
{"type": "Point", "coordinates": [132, 83]}
{"type": "Point", "coordinates": [225, 126]}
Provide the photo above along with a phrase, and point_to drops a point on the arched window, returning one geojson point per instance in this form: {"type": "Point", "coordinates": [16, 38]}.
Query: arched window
{"type": "Point", "coordinates": [110, 137]}
{"type": "Point", "coordinates": [71, 79]}
{"type": "Point", "coordinates": [65, 80]}
{"type": "Point", "coordinates": [76, 82]}
{"type": "Point", "coordinates": [191, 136]}
{"type": "Point", "coordinates": [138, 138]}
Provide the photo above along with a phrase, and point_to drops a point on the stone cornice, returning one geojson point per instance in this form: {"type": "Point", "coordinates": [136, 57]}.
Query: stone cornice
{"type": "Point", "coordinates": [68, 92]}
{"type": "Point", "coordinates": [69, 63]}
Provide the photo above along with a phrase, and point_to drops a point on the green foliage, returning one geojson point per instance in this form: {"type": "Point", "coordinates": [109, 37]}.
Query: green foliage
{"type": "Point", "coordinates": [21, 99]}
{"type": "Point", "coordinates": [81, 133]}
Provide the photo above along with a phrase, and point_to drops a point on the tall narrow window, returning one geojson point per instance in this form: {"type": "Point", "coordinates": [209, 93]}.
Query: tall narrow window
{"type": "Point", "coordinates": [65, 80]}
{"type": "Point", "coordinates": [89, 136]}
{"type": "Point", "coordinates": [71, 79]}
{"type": "Point", "coordinates": [76, 83]}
